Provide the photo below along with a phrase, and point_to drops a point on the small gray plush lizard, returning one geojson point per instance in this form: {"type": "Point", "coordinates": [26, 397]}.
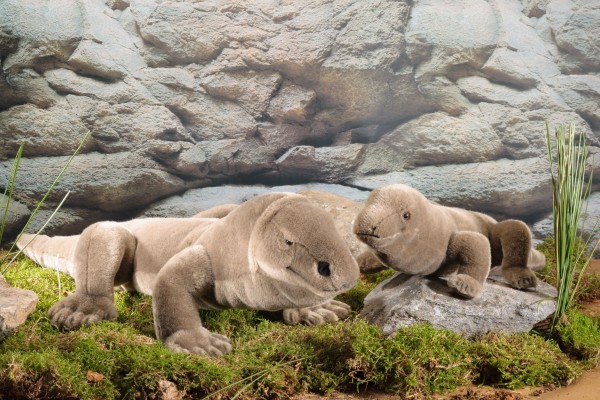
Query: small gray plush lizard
{"type": "Point", "coordinates": [413, 235]}
{"type": "Point", "coordinates": [274, 252]}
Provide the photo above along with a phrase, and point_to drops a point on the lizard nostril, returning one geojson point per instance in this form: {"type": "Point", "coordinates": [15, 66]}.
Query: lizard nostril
{"type": "Point", "coordinates": [323, 268]}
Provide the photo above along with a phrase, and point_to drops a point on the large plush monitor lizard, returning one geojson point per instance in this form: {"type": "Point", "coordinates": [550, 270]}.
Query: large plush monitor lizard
{"type": "Point", "coordinates": [274, 252]}
{"type": "Point", "coordinates": [411, 234]}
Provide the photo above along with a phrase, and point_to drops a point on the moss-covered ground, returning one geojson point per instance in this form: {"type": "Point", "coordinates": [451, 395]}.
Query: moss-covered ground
{"type": "Point", "coordinates": [122, 359]}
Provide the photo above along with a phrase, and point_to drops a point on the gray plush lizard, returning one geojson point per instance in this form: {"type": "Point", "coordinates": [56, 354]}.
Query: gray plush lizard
{"type": "Point", "coordinates": [274, 252]}
{"type": "Point", "coordinates": [413, 235]}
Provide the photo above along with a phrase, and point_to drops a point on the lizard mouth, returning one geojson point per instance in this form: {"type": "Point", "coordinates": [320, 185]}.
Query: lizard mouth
{"type": "Point", "coordinates": [289, 268]}
{"type": "Point", "coordinates": [368, 238]}
{"type": "Point", "coordinates": [365, 234]}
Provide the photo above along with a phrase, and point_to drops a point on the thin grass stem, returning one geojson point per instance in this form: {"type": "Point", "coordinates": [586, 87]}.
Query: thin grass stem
{"type": "Point", "coordinates": [48, 192]}
{"type": "Point", "coordinates": [36, 234]}
{"type": "Point", "coordinates": [8, 190]}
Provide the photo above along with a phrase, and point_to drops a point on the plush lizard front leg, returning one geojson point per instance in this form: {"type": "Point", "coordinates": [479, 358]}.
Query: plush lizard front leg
{"type": "Point", "coordinates": [512, 239]}
{"type": "Point", "coordinates": [186, 277]}
{"type": "Point", "coordinates": [469, 252]}
{"type": "Point", "coordinates": [103, 258]}
{"type": "Point", "coordinates": [330, 311]}
{"type": "Point", "coordinates": [368, 263]}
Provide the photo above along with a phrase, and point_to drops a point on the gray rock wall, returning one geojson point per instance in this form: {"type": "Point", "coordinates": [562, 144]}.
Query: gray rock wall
{"type": "Point", "coordinates": [448, 96]}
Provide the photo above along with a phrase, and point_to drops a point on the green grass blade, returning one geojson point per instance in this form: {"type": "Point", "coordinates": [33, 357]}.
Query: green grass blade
{"type": "Point", "coordinates": [48, 192]}
{"type": "Point", "coordinates": [36, 234]}
{"type": "Point", "coordinates": [8, 190]}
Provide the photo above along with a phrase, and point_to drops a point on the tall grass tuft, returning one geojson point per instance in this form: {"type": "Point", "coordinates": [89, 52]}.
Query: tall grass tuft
{"type": "Point", "coordinates": [568, 153]}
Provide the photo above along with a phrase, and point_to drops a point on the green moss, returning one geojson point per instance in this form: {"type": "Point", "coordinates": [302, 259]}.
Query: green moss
{"type": "Point", "coordinates": [365, 285]}
{"type": "Point", "coordinates": [270, 359]}
{"type": "Point", "coordinates": [514, 361]}
{"type": "Point", "coordinates": [579, 335]}
{"type": "Point", "coordinates": [419, 359]}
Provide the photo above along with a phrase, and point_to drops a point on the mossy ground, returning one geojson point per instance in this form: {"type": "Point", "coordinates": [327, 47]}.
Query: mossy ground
{"type": "Point", "coordinates": [122, 359]}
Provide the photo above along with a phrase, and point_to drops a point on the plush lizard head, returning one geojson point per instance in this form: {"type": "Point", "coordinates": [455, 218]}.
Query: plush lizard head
{"type": "Point", "coordinates": [296, 243]}
{"type": "Point", "coordinates": [403, 228]}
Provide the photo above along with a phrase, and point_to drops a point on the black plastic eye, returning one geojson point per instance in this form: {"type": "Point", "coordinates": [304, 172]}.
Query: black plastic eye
{"type": "Point", "coordinates": [406, 215]}
{"type": "Point", "coordinates": [323, 268]}
{"type": "Point", "coordinates": [289, 242]}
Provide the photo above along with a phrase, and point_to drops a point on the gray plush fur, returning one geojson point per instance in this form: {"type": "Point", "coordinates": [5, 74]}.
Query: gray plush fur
{"type": "Point", "coordinates": [413, 235]}
{"type": "Point", "coordinates": [274, 252]}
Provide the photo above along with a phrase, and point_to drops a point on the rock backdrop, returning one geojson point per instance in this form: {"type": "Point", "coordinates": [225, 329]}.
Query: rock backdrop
{"type": "Point", "coordinates": [450, 97]}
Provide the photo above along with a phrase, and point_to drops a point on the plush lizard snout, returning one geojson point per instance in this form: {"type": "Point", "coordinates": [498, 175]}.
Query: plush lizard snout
{"type": "Point", "coordinates": [377, 232]}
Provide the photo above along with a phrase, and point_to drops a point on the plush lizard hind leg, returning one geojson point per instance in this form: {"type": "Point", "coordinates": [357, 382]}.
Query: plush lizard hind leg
{"type": "Point", "coordinates": [181, 285]}
{"type": "Point", "coordinates": [103, 259]}
{"type": "Point", "coordinates": [536, 260]}
{"type": "Point", "coordinates": [511, 243]}
{"type": "Point", "coordinates": [468, 254]}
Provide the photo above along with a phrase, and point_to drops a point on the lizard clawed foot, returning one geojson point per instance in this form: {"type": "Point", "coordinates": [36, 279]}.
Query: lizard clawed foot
{"type": "Point", "coordinates": [465, 285]}
{"type": "Point", "coordinates": [77, 310]}
{"type": "Point", "coordinates": [519, 277]}
{"type": "Point", "coordinates": [198, 341]}
{"type": "Point", "coordinates": [331, 311]}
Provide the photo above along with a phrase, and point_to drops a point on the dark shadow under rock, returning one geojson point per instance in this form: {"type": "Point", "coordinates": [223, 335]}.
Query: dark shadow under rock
{"type": "Point", "coordinates": [404, 300]}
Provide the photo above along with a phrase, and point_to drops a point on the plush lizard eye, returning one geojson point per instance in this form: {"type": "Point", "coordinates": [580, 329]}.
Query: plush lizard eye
{"type": "Point", "coordinates": [406, 215]}
{"type": "Point", "coordinates": [289, 242]}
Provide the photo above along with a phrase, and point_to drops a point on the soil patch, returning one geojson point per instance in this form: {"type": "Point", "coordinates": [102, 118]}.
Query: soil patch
{"type": "Point", "coordinates": [584, 388]}
{"type": "Point", "coordinates": [592, 308]}
{"type": "Point", "coordinates": [594, 267]}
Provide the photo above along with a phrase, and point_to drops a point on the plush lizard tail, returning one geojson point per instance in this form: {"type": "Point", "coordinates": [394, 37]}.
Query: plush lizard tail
{"type": "Point", "coordinates": [537, 260]}
{"type": "Point", "coordinates": [56, 252]}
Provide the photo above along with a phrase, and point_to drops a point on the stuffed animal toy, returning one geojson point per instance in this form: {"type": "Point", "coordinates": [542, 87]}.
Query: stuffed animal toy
{"type": "Point", "coordinates": [274, 252]}
{"type": "Point", "coordinates": [413, 235]}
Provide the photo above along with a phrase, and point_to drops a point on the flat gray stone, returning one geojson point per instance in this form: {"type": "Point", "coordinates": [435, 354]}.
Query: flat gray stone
{"type": "Point", "coordinates": [15, 307]}
{"type": "Point", "coordinates": [404, 300]}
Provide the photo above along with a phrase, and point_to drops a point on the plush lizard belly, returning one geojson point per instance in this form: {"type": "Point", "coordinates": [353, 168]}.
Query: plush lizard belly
{"type": "Point", "coordinates": [262, 294]}
{"type": "Point", "coordinates": [246, 293]}
{"type": "Point", "coordinates": [157, 240]}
